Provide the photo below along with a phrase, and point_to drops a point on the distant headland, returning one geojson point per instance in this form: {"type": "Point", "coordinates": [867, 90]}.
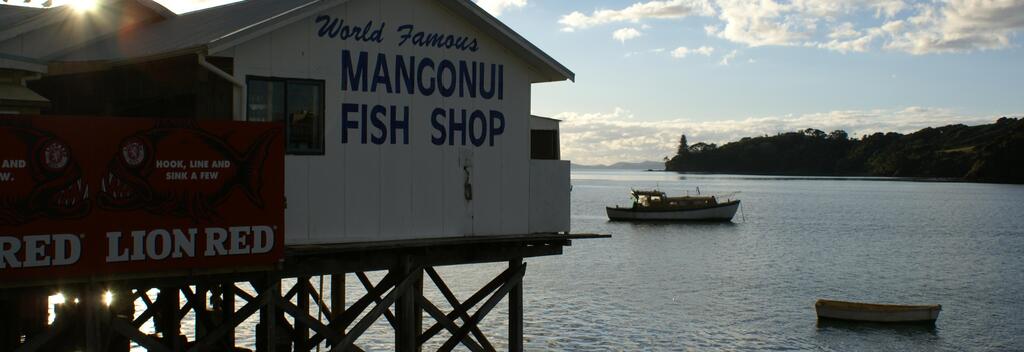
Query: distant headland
{"type": "Point", "coordinates": [642, 165]}
{"type": "Point", "coordinates": [984, 153]}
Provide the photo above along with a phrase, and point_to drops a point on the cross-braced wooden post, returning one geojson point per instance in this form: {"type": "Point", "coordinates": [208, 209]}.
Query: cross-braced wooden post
{"type": "Point", "coordinates": [493, 291]}
{"type": "Point", "coordinates": [221, 304]}
{"type": "Point", "coordinates": [113, 328]}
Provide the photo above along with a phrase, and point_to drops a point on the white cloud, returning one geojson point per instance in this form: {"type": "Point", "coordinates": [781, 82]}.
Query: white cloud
{"type": "Point", "coordinates": [496, 7]}
{"type": "Point", "coordinates": [624, 34]}
{"type": "Point", "coordinates": [947, 26]}
{"type": "Point", "coordinates": [655, 51]}
{"type": "Point", "coordinates": [844, 31]}
{"type": "Point", "coordinates": [609, 137]}
{"type": "Point", "coordinates": [859, 42]}
{"type": "Point", "coordinates": [728, 58]}
{"type": "Point", "coordinates": [959, 26]}
{"type": "Point", "coordinates": [798, 22]}
{"type": "Point", "coordinates": [762, 23]}
{"type": "Point", "coordinates": [682, 52]}
{"type": "Point", "coordinates": [831, 9]}
{"type": "Point", "coordinates": [888, 8]}
{"type": "Point", "coordinates": [668, 9]}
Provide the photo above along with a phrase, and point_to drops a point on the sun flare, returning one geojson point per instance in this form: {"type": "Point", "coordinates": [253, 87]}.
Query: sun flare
{"type": "Point", "coordinates": [83, 6]}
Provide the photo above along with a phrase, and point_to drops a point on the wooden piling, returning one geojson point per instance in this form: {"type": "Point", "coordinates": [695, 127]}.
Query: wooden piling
{"type": "Point", "coordinates": [515, 311]}
{"type": "Point", "coordinates": [408, 312]}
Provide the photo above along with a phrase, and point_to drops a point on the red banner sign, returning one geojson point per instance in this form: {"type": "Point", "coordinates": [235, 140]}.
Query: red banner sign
{"type": "Point", "coordinates": [96, 196]}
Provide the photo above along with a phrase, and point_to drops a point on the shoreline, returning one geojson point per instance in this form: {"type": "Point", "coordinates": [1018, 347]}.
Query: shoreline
{"type": "Point", "coordinates": [822, 177]}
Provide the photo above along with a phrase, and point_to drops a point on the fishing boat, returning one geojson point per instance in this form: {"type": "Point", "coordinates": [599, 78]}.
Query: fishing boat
{"type": "Point", "coordinates": [878, 313]}
{"type": "Point", "coordinates": [655, 205]}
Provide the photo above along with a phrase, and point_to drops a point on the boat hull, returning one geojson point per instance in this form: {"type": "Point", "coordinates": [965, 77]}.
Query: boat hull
{"type": "Point", "coordinates": [877, 313]}
{"type": "Point", "coordinates": [721, 212]}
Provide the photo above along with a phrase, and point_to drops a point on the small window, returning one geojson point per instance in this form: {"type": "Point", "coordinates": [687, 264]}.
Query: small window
{"type": "Point", "coordinates": [544, 144]}
{"type": "Point", "coordinates": [297, 102]}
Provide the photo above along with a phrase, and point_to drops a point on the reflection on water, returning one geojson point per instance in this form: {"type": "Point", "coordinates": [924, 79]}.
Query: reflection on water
{"type": "Point", "coordinates": [826, 326]}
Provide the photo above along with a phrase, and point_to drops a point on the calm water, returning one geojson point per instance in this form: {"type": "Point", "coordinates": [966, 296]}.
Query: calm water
{"type": "Point", "coordinates": [751, 284]}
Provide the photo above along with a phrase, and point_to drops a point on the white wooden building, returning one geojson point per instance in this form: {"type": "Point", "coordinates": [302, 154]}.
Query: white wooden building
{"type": "Point", "coordinates": [407, 119]}
{"type": "Point", "coordinates": [409, 145]}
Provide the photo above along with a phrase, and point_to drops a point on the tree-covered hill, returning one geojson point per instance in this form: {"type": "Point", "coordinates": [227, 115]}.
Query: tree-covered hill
{"type": "Point", "coordinates": [988, 153]}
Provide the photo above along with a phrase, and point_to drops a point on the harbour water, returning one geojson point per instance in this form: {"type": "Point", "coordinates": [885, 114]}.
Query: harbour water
{"type": "Point", "coordinates": [751, 284]}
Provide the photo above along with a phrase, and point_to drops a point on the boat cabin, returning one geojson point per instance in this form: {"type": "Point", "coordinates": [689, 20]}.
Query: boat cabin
{"type": "Point", "coordinates": [658, 199]}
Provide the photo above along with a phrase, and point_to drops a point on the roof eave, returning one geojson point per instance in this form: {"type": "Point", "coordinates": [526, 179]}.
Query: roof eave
{"type": "Point", "coordinates": [256, 30]}
{"type": "Point", "coordinates": [159, 9]}
{"type": "Point", "coordinates": [22, 63]}
{"type": "Point", "coordinates": [545, 118]}
{"type": "Point", "coordinates": [550, 69]}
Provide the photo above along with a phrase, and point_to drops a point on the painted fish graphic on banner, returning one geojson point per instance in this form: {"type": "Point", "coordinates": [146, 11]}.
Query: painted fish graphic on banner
{"type": "Point", "coordinates": [180, 170]}
{"type": "Point", "coordinates": [39, 176]}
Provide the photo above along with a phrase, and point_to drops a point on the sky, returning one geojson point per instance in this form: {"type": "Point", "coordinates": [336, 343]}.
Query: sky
{"type": "Point", "coordinates": [719, 70]}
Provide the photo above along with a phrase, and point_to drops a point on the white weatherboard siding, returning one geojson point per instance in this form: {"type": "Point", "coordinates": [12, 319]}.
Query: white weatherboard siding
{"type": "Point", "coordinates": [549, 195]}
{"type": "Point", "coordinates": [365, 192]}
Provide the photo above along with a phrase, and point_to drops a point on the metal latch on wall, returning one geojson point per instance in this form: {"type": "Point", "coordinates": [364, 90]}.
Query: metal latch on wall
{"type": "Point", "coordinates": [466, 160]}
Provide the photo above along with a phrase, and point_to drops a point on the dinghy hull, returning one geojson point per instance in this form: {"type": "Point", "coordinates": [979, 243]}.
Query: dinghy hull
{"type": "Point", "coordinates": [877, 313]}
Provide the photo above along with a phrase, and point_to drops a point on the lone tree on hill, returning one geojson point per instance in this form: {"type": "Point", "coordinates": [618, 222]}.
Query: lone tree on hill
{"type": "Point", "coordinates": [838, 135]}
{"type": "Point", "coordinates": [814, 132]}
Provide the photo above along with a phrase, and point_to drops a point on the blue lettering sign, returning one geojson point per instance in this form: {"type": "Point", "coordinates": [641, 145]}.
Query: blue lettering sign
{"type": "Point", "coordinates": [408, 34]}
{"type": "Point", "coordinates": [377, 124]}
{"type": "Point", "coordinates": [380, 73]}
{"type": "Point", "coordinates": [336, 28]}
{"type": "Point", "coordinates": [465, 127]}
{"type": "Point", "coordinates": [445, 77]}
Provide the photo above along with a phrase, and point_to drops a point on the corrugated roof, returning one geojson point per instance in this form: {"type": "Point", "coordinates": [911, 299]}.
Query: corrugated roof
{"type": "Point", "coordinates": [187, 31]}
{"type": "Point", "coordinates": [11, 15]}
{"type": "Point", "coordinates": [56, 30]}
{"type": "Point", "coordinates": [229, 25]}
{"type": "Point", "coordinates": [16, 20]}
